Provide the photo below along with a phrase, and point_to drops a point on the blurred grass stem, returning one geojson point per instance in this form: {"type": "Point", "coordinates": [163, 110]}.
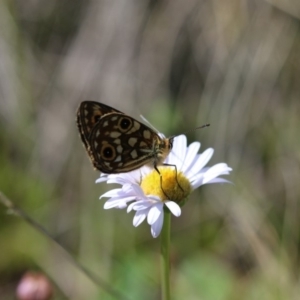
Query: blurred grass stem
{"type": "Point", "coordinates": [13, 209]}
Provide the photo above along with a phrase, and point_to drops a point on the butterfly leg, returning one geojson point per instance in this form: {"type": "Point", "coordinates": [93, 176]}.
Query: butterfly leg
{"type": "Point", "coordinates": [169, 165]}
{"type": "Point", "coordinates": [155, 167]}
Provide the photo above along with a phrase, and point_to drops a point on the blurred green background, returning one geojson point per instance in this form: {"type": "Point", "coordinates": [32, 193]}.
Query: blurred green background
{"type": "Point", "coordinates": [233, 64]}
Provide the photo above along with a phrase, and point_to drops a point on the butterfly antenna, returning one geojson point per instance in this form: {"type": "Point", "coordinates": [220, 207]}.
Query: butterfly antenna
{"type": "Point", "coordinates": [202, 126]}
{"type": "Point", "coordinates": [150, 125]}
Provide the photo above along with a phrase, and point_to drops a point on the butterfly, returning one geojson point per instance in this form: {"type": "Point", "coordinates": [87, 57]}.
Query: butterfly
{"type": "Point", "coordinates": [116, 142]}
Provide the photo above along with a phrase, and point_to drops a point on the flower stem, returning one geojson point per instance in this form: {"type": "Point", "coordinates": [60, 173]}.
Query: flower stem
{"type": "Point", "coordinates": [165, 255]}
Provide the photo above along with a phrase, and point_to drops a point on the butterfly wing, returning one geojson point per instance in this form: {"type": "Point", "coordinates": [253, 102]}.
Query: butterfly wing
{"type": "Point", "coordinates": [88, 114]}
{"type": "Point", "coordinates": [119, 143]}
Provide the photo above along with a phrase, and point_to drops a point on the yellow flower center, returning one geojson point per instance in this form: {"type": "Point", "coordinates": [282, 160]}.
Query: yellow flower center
{"type": "Point", "coordinates": [173, 186]}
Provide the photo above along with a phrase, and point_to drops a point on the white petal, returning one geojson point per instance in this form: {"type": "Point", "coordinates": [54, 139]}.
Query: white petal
{"type": "Point", "coordinates": [112, 193]}
{"type": "Point", "coordinates": [144, 171]}
{"type": "Point", "coordinates": [180, 141]}
{"type": "Point", "coordinates": [136, 174]}
{"type": "Point", "coordinates": [180, 146]}
{"type": "Point", "coordinates": [157, 226]}
{"type": "Point", "coordinates": [140, 205]}
{"type": "Point", "coordinates": [127, 188]}
{"type": "Point", "coordinates": [133, 176]}
{"type": "Point", "coordinates": [122, 205]}
{"type": "Point", "coordinates": [174, 208]}
{"type": "Point", "coordinates": [101, 179]}
{"type": "Point", "coordinates": [177, 155]}
{"type": "Point", "coordinates": [196, 176]}
{"type": "Point", "coordinates": [190, 156]}
{"type": "Point", "coordinates": [139, 217]}
{"type": "Point", "coordinates": [121, 178]}
{"type": "Point", "coordinates": [119, 202]}
{"type": "Point", "coordinates": [205, 169]}
{"type": "Point", "coordinates": [118, 180]}
{"type": "Point", "coordinates": [154, 213]}
{"type": "Point", "coordinates": [137, 190]}
{"type": "Point", "coordinates": [201, 162]}
{"type": "Point", "coordinates": [130, 206]}
{"type": "Point", "coordinates": [215, 171]}
{"type": "Point", "coordinates": [198, 182]}
{"type": "Point", "coordinates": [219, 180]}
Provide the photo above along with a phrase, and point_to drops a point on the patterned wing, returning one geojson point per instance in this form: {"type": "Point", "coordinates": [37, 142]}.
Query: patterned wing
{"type": "Point", "coordinates": [119, 143]}
{"type": "Point", "coordinates": [88, 114]}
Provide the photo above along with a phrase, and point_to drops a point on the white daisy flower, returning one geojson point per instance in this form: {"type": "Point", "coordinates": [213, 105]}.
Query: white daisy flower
{"type": "Point", "coordinates": [141, 189]}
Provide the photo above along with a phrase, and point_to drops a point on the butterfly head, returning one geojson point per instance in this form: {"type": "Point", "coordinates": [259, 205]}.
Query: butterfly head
{"type": "Point", "coordinates": [163, 150]}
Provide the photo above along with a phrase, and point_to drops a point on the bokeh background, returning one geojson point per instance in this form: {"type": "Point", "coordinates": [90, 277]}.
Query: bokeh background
{"type": "Point", "coordinates": [233, 64]}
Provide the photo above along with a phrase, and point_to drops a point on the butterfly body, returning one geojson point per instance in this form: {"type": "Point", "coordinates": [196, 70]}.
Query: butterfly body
{"type": "Point", "coordinates": [117, 143]}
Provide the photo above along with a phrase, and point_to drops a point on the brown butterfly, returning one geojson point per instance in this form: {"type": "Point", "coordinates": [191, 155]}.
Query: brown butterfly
{"type": "Point", "coordinates": [117, 143]}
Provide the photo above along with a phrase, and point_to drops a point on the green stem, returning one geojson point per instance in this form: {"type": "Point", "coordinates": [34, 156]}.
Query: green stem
{"type": "Point", "coordinates": [165, 256]}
